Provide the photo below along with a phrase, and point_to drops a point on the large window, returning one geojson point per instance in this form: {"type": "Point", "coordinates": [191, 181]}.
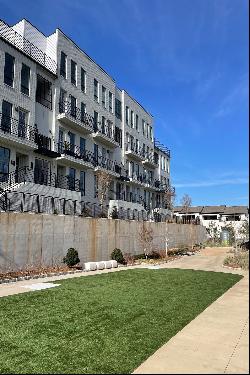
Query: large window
{"type": "Point", "coordinates": [83, 111]}
{"type": "Point", "coordinates": [63, 64]}
{"type": "Point", "coordinates": [6, 116]}
{"type": "Point", "coordinates": [95, 121]}
{"type": "Point", "coordinates": [72, 106]}
{"type": "Point", "coordinates": [22, 121]}
{"type": "Point", "coordinates": [9, 68]}
{"type": "Point", "coordinates": [110, 102]}
{"type": "Point", "coordinates": [118, 109]}
{"type": "Point", "coordinates": [126, 114]}
{"type": "Point", "coordinates": [103, 96]}
{"type": "Point", "coordinates": [25, 79]}
{"type": "Point", "coordinates": [4, 162]}
{"type": "Point", "coordinates": [132, 119]}
{"type": "Point", "coordinates": [73, 72]}
{"type": "Point", "coordinates": [44, 92]}
{"type": "Point", "coordinates": [83, 80]}
{"type": "Point", "coordinates": [136, 122]}
{"type": "Point", "coordinates": [96, 90]}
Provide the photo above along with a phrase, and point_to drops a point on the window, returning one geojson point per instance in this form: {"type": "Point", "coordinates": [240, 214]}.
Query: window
{"type": "Point", "coordinates": [96, 90]}
{"type": "Point", "coordinates": [6, 116]}
{"type": "Point", "coordinates": [60, 140]}
{"type": "Point", "coordinates": [104, 96]}
{"type": "Point", "coordinates": [63, 64]}
{"type": "Point", "coordinates": [95, 121]}
{"type": "Point", "coordinates": [136, 122]}
{"type": "Point", "coordinates": [137, 146]}
{"type": "Point", "coordinates": [83, 111]}
{"type": "Point", "coordinates": [126, 114]}
{"type": "Point", "coordinates": [72, 106]}
{"type": "Point", "coordinates": [132, 119]}
{"type": "Point", "coordinates": [9, 69]}
{"type": "Point", "coordinates": [25, 79]}
{"type": "Point", "coordinates": [143, 127]}
{"type": "Point", "coordinates": [4, 162]}
{"type": "Point", "coordinates": [147, 130]}
{"type": "Point", "coordinates": [73, 72]}
{"type": "Point", "coordinates": [110, 102]}
{"type": "Point", "coordinates": [82, 182]}
{"type": "Point", "coordinates": [44, 92]}
{"type": "Point", "coordinates": [83, 80]}
{"type": "Point", "coordinates": [71, 178]}
{"type": "Point", "coordinates": [82, 145]}
{"type": "Point", "coordinates": [22, 120]}
{"type": "Point", "coordinates": [62, 100]}
{"type": "Point", "coordinates": [103, 124]}
{"type": "Point", "coordinates": [118, 109]}
{"type": "Point", "coordinates": [151, 133]}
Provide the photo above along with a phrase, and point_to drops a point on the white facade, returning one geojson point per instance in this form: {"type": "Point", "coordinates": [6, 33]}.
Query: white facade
{"type": "Point", "coordinates": [63, 119]}
{"type": "Point", "coordinates": [216, 216]}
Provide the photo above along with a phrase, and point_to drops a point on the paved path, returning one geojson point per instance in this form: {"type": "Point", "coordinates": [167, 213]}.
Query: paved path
{"type": "Point", "coordinates": [216, 341]}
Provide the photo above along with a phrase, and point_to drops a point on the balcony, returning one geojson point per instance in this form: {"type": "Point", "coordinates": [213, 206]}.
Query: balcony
{"type": "Point", "coordinates": [44, 146]}
{"type": "Point", "coordinates": [110, 166]}
{"type": "Point", "coordinates": [106, 134]}
{"type": "Point", "coordinates": [19, 42]}
{"type": "Point", "coordinates": [134, 152]}
{"type": "Point", "coordinates": [72, 154]}
{"type": "Point", "coordinates": [75, 118]}
{"type": "Point", "coordinates": [17, 133]}
{"type": "Point", "coordinates": [161, 147]}
{"type": "Point", "coordinates": [150, 161]}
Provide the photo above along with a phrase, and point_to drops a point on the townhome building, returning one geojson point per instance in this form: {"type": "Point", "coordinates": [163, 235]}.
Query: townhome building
{"type": "Point", "coordinates": [63, 120]}
{"type": "Point", "coordinates": [218, 217]}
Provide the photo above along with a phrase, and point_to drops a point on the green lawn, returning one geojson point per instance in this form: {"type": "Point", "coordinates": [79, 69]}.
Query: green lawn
{"type": "Point", "coordinates": [107, 323]}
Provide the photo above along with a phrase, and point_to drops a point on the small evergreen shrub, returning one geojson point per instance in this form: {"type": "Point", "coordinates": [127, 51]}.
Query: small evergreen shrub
{"type": "Point", "coordinates": [71, 258]}
{"type": "Point", "coordinates": [118, 256]}
{"type": "Point", "coordinates": [114, 214]}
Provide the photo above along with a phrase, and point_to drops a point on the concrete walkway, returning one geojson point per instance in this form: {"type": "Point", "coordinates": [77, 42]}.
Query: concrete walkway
{"type": "Point", "coordinates": [216, 341]}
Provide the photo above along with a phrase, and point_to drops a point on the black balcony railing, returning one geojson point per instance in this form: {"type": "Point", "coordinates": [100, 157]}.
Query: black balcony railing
{"type": "Point", "coordinates": [97, 161]}
{"type": "Point", "coordinates": [161, 147]}
{"type": "Point", "coordinates": [133, 147]}
{"type": "Point", "coordinates": [76, 114]}
{"type": "Point", "coordinates": [17, 128]}
{"type": "Point", "coordinates": [24, 45]}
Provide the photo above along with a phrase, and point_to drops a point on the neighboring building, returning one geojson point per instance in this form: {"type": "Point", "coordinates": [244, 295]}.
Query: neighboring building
{"type": "Point", "coordinates": [63, 119]}
{"type": "Point", "coordinates": [218, 216]}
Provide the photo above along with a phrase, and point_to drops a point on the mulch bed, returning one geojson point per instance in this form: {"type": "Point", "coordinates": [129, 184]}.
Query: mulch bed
{"type": "Point", "coordinates": [36, 272]}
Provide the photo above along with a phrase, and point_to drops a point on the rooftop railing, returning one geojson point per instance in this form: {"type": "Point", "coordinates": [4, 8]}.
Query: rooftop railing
{"type": "Point", "coordinates": [161, 147]}
{"type": "Point", "coordinates": [18, 41]}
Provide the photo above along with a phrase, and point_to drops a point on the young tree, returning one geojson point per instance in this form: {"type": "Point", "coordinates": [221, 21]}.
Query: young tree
{"type": "Point", "coordinates": [146, 236]}
{"type": "Point", "coordinates": [169, 197]}
{"type": "Point", "coordinates": [186, 202]}
{"type": "Point", "coordinates": [104, 181]}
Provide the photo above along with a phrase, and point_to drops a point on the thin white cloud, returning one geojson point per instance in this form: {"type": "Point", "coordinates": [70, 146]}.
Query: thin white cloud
{"type": "Point", "coordinates": [235, 181]}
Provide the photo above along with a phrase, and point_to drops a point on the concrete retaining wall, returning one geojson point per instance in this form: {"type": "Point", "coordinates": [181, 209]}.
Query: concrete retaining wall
{"type": "Point", "coordinates": [29, 239]}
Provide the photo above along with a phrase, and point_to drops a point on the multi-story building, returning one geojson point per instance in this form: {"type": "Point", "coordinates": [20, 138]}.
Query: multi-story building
{"type": "Point", "coordinates": [216, 216]}
{"type": "Point", "coordinates": [63, 119]}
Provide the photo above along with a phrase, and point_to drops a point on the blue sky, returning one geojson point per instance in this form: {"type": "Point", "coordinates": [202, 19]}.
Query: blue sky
{"type": "Point", "coordinates": [186, 61]}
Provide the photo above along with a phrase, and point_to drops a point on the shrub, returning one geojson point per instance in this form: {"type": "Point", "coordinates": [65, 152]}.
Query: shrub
{"type": "Point", "coordinates": [102, 215]}
{"type": "Point", "coordinates": [129, 259]}
{"type": "Point", "coordinates": [240, 260]}
{"type": "Point", "coordinates": [86, 212]}
{"type": "Point", "coordinates": [139, 256]}
{"type": "Point", "coordinates": [114, 214]}
{"type": "Point", "coordinates": [118, 256]}
{"type": "Point", "coordinates": [71, 258]}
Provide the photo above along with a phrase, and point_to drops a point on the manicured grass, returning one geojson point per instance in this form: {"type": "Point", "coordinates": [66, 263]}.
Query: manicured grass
{"type": "Point", "coordinates": [107, 323]}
